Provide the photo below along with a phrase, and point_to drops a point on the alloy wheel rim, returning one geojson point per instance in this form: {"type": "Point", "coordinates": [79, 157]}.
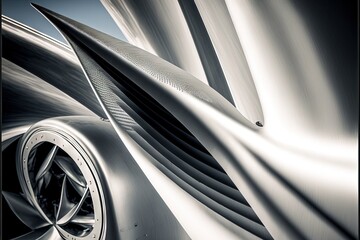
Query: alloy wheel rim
{"type": "Point", "coordinates": [58, 180]}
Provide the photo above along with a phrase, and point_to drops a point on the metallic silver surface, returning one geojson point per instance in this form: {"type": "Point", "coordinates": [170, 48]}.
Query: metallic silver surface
{"type": "Point", "coordinates": [242, 149]}
{"type": "Point", "coordinates": [158, 27]}
{"type": "Point", "coordinates": [192, 32]}
{"type": "Point", "coordinates": [47, 186]}
{"type": "Point", "coordinates": [160, 143]}
{"type": "Point", "coordinates": [32, 93]}
{"type": "Point", "coordinates": [107, 181]}
{"type": "Point", "coordinates": [188, 163]}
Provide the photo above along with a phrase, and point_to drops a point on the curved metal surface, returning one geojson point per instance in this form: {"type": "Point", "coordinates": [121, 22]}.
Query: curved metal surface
{"type": "Point", "coordinates": [30, 51]}
{"type": "Point", "coordinates": [28, 99]}
{"type": "Point", "coordinates": [127, 205]}
{"type": "Point", "coordinates": [242, 149]}
{"type": "Point", "coordinates": [45, 186]}
{"type": "Point", "coordinates": [285, 169]}
{"type": "Point", "coordinates": [160, 27]}
{"type": "Point", "coordinates": [32, 93]}
{"type": "Point", "coordinates": [133, 109]}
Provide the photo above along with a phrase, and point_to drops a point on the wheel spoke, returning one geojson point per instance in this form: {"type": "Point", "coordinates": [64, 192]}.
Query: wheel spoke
{"type": "Point", "coordinates": [67, 165]}
{"type": "Point", "coordinates": [38, 187]}
{"type": "Point", "coordinates": [24, 211]}
{"type": "Point", "coordinates": [45, 166]}
{"type": "Point", "coordinates": [65, 205]}
{"type": "Point", "coordinates": [86, 221]}
{"type": "Point", "coordinates": [57, 200]}
{"type": "Point", "coordinates": [79, 189]}
{"type": "Point", "coordinates": [41, 234]}
{"type": "Point", "coordinates": [43, 182]}
{"type": "Point", "coordinates": [73, 211]}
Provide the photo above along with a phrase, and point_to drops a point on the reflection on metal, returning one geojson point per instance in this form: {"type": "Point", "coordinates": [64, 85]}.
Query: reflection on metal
{"type": "Point", "coordinates": [23, 59]}
{"type": "Point", "coordinates": [55, 177]}
{"type": "Point", "coordinates": [32, 92]}
{"type": "Point", "coordinates": [183, 158]}
{"type": "Point", "coordinates": [188, 163]}
{"type": "Point", "coordinates": [116, 70]}
{"type": "Point", "coordinates": [78, 181]}
{"type": "Point", "coordinates": [195, 36]}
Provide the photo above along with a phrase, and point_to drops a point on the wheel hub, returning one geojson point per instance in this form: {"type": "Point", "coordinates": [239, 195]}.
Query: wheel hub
{"type": "Point", "coordinates": [56, 177]}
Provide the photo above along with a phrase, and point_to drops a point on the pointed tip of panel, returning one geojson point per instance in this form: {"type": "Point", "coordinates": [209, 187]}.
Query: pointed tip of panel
{"type": "Point", "coordinates": [51, 16]}
{"type": "Point", "coordinates": [41, 9]}
{"type": "Point", "coordinates": [76, 33]}
{"type": "Point", "coordinates": [61, 22]}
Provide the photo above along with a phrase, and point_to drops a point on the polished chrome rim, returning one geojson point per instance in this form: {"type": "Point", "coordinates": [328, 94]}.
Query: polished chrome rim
{"type": "Point", "coordinates": [56, 177]}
